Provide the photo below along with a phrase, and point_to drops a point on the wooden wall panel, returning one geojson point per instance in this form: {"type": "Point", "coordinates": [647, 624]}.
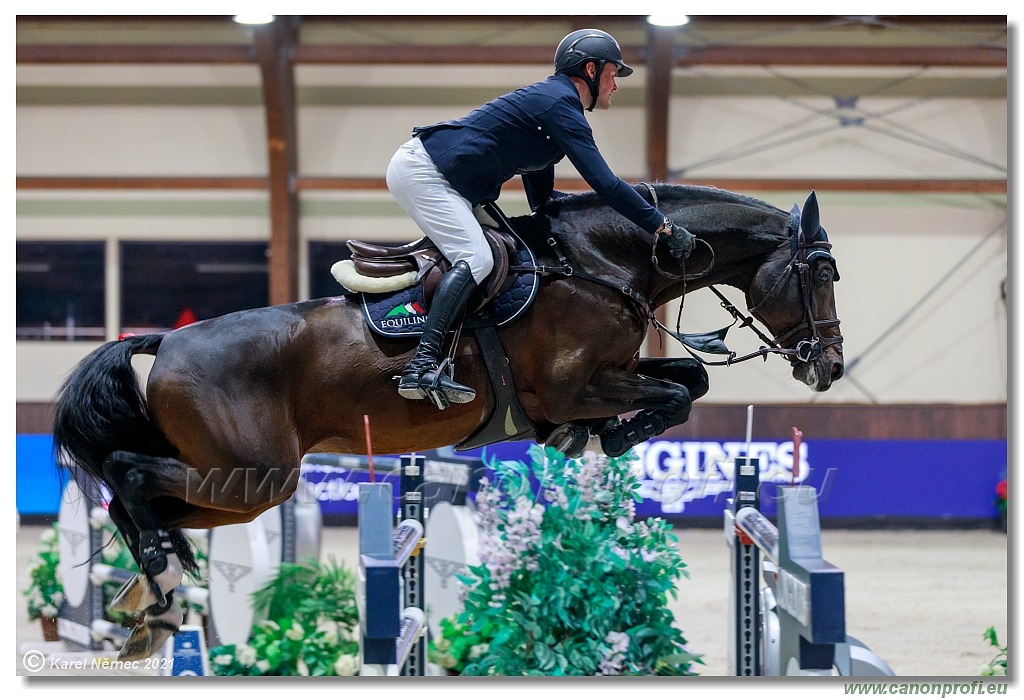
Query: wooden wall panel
{"type": "Point", "coordinates": [910, 422]}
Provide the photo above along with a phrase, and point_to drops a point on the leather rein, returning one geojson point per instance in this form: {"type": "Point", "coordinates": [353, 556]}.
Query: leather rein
{"type": "Point", "coordinates": [807, 350]}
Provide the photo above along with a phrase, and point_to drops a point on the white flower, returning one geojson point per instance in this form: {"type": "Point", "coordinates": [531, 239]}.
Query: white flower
{"type": "Point", "coordinates": [347, 665]}
{"type": "Point", "coordinates": [57, 598]}
{"type": "Point", "coordinates": [245, 654]}
{"type": "Point", "coordinates": [48, 611]}
{"type": "Point", "coordinates": [222, 659]}
{"type": "Point", "coordinates": [624, 524]}
{"type": "Point", "coordinates": [303, 668]}
{"type": "Point", "coordinates": [49, 536]}
{"type": "Point", "coordinates": [329, 628]}
{"type": "Point", "coordinates": [295, 632]}
{"type": "Point", "coordinates": [263, 665]}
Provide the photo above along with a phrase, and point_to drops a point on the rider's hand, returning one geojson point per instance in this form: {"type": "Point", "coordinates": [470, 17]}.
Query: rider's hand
{"type": "Point", "coordinates": [680, 241]}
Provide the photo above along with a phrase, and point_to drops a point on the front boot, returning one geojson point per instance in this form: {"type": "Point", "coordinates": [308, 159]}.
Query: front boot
{"type": "Point", "coordinates": [422, 377]}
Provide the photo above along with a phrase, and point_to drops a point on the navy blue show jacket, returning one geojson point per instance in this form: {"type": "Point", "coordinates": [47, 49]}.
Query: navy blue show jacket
{"type": "Point", "coordinates": [525, 133]}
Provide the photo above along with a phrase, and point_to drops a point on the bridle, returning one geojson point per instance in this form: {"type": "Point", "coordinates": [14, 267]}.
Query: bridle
{"type": "Point", "coordinates": [804, 253]}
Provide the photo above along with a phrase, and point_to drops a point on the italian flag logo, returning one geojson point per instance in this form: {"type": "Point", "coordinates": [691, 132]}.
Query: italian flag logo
{"type": "Point", "coordinates": [410, 309]}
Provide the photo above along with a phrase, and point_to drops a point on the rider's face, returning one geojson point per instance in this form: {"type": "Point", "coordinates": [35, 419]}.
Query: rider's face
{"type": "Point", "coordinates": [607, 86]}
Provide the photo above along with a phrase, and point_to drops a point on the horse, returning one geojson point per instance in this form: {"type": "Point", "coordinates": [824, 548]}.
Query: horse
{"type": "Point", "coordinates": [233, 403]}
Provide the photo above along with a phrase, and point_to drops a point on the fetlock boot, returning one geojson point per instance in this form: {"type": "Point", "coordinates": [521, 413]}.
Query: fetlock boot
{"type": "Point", "coordinates": [423, 376]}
{"type": "Point", "coordinates": [643, 426]}
{"type": "Point", "coordinates": [161, 573]}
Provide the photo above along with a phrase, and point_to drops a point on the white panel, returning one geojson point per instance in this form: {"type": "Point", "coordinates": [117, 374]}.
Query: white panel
{"type": "Point", "coordinates": [774, 138]}
{"type": "Point", "coordinates": [506, 78]}
{"type": "Point", "coordinates": [360, 141]}
{"type": "Point", "coordinates": [141, 141]}
{"type": "Point", "coordinates": [192, 74]}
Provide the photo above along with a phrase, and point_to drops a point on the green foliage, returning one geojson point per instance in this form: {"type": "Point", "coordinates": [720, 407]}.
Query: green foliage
{"type": "Point", "coordinates": [458, 645]}
{"type": "Point", "coordinates": [569, 584]}
{"type": "Point", "coordinates": [996, 666]}
{"type": "Point", "coordinates": [45, 594]}
{"type": "Point", "coordinates": [311, 628]}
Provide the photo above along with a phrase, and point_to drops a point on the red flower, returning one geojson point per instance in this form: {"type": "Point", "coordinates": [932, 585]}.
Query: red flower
{"type": "Point", "coordinates": [1001, 489]}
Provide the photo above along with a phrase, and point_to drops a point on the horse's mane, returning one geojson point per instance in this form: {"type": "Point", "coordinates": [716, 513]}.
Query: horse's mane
{"type": "Point", "coordinates": [669, 196]}
{"type": "Point", "coordinates": [667, 193]}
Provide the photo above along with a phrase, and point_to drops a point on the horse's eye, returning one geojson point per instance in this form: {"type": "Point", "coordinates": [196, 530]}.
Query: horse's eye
{"type": "Point", "coordinates": [823, 275]}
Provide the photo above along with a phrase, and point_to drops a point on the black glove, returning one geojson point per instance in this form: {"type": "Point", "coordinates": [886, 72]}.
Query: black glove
{"type": "Point", "coordinates": [680, 241]}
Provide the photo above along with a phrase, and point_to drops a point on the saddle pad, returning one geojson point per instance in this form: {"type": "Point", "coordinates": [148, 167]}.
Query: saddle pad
{"type": "Point", "coordinates": [402, 313]}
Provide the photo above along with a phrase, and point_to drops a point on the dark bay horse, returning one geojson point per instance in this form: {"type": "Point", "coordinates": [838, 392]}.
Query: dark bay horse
{"type": "Point", "coordinates": [233, 403]}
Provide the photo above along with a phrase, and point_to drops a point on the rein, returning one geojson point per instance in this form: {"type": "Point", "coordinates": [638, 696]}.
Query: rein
{"type": "Point", "coordinates": [807, 350]}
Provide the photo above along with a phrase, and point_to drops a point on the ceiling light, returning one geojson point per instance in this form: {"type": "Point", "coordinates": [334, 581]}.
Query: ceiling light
{"type": "Point", "coordinates": [254, 18]}
{"type": "Point", "coordinates": [668, 19]}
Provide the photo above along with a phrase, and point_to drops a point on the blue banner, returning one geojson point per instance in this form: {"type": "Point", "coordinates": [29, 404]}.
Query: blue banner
{"type": "Point", "coordinates": [36, 476]}
{"type": "Point", "coordinates": [856, 479]}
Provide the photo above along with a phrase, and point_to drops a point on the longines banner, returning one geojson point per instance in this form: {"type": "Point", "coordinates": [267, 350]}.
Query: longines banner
{"type": "Point", "coordinates": [856, 479]}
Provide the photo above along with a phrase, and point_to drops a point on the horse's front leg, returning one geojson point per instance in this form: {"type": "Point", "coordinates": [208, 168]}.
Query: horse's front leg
{"type": "Point", "coordinates": [571, 438]}
{"type": "Point", "coordinates": [612, 391]}
{"type": "Point", "coordinates": [678, 370]}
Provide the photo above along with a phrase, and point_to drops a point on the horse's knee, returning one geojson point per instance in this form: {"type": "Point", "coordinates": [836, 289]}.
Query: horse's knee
{"type": "Point", "coordinates": [698, 382]}
{"type": "Point", "coordinates": [691, 374]}
{"type": "Point", "coordinates": [677, 410]}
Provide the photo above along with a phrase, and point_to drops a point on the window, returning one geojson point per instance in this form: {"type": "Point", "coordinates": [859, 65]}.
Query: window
{"type": "Point", "coordinates": [60, 290]}
{"type": "Point", "coordinates": [167, 285]}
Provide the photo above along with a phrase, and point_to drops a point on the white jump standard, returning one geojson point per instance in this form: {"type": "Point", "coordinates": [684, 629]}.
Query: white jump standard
{"type": "Point", "coordinates": [796, 624]}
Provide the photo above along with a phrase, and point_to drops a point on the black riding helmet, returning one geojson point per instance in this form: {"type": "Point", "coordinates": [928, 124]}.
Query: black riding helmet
{"type": "Point", "coordinates": [584, 46]}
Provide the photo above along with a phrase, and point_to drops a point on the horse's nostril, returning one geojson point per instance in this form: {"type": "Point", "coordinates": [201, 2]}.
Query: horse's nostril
{"type": "Point", "coordinates": [837, 370]}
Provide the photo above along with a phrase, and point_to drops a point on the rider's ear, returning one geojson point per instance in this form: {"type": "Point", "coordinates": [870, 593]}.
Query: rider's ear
{"type": "Point", "coordinates": [591, 69]}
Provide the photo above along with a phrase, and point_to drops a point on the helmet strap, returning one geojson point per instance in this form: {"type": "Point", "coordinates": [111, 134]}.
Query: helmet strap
{"type": "Point", "coordinates": [595, 84]}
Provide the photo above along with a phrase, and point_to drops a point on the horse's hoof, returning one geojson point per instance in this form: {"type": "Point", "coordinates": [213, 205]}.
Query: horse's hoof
{"type": "Point", "coordinates": [133, 596]}
{"type": "Point", "coordinates": [149, 637]}
{"type": "Point", "coordinates": [570, 439]}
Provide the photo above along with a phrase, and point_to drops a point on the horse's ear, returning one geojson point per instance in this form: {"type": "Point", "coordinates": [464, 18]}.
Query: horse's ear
{"type": "Point", "coordinates": [810, 220]}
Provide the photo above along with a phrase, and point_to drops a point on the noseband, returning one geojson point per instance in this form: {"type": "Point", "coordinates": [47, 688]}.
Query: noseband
{"type": "Point", "coordinates": [804, 253]}
{"type": "Point", "coordinates": [805, 351]}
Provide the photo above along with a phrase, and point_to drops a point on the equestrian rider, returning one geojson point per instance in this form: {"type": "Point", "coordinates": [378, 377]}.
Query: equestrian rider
{"type": "Point", "coordinates": [449, 168]}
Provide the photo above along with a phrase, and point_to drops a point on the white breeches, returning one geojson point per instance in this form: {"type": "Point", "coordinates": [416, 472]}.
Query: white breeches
{"type": "Point", "coordinates": [445, 216]}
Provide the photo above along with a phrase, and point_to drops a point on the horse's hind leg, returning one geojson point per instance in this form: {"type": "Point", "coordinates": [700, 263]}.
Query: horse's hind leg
{"type": "Point", "coordinates": [131, 596]}
{"type": "Point", "coordinates": [159, 554]}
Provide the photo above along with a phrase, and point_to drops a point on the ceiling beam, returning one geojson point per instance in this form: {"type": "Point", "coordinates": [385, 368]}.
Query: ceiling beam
{"type": "Point", "coordinates": [274, 43]}
{"type": "Point", "coordinates": [31, 54]}
{"type": "Point", "coordinates": [347, 54]}
{"type": "Point", "coordinates": [661, 42]}
{"type": "Point", "coordinates": [343, 184]}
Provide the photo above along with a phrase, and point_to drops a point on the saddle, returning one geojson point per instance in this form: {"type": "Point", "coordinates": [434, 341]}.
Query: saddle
{"type": "Point", "coordinates": [385, 278]}
{"type": "Point", "coordinates": [422, 261]}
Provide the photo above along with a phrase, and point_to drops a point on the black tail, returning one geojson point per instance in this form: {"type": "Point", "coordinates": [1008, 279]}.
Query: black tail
{"type": "Point", "coordinates": [101, 408]}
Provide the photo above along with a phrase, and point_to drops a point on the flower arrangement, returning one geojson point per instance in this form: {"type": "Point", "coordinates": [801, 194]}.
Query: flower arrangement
{"type": "Point", "coordinates": [45, 594]}
{"type": "Point", "coordinates": [1001, 503]}
{"type": "Point", "coordinates": [996, 666]}
{"type": "Point", "coordinates": [569, 583]}
{"type": "Point", "coordinates": [311, 627]}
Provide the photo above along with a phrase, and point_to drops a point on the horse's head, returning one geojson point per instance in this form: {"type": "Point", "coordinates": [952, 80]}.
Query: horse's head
{"type": "Point", "coordinates": [792, 293]}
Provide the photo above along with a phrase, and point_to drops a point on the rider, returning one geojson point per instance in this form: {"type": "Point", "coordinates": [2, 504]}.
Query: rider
{"type": "Point", "coordinates": [447, 169]}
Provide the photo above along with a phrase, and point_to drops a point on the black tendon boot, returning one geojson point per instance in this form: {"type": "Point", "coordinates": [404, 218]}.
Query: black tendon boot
{"type": "Point", "coordinates": [422, 377]}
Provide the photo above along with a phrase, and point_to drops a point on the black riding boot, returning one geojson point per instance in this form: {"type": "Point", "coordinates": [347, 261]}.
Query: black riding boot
{"type": "Point", "coordinates": [422, 377]}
